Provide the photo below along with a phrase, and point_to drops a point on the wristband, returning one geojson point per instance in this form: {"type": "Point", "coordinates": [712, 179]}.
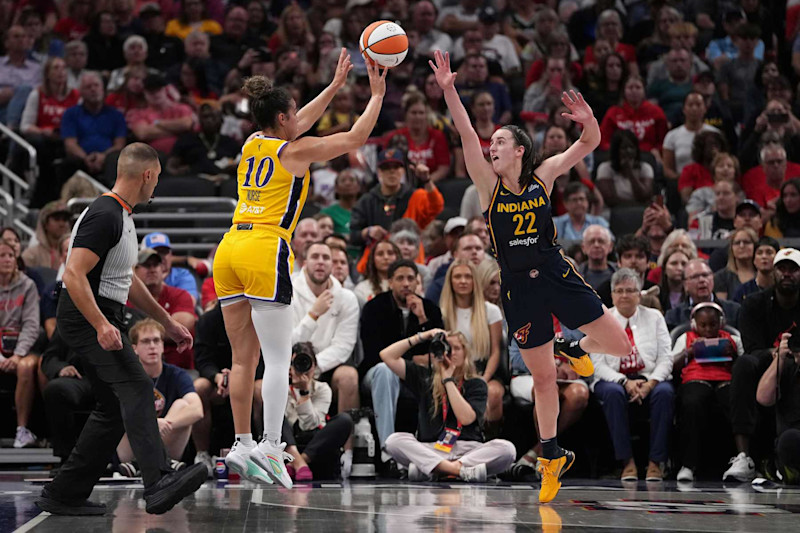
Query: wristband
{"type": "Point", "coordinates": [445, 381]}
{"type": "Point", "coordinates": [302, 392]}
{"type": "Point", "coordinates": [410, 344]}
{"type": "Point", "coordinates": [313, 315]}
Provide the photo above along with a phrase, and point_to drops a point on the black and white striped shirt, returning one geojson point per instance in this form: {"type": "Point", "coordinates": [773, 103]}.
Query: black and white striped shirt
{"type": "Point", "coordinates": [106, 228]}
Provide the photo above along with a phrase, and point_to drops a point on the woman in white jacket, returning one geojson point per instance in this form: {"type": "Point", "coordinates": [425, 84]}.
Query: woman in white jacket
{"type": "Point", "coordinates": [640, 380]}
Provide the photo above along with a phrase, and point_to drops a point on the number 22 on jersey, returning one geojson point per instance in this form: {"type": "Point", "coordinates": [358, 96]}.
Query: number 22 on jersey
{"type": "Point", "coordinates": [520, 219]}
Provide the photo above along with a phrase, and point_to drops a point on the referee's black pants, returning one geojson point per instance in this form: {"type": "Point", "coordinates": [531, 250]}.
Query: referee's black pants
{"type": "Point", "coordinates": [124, 394]}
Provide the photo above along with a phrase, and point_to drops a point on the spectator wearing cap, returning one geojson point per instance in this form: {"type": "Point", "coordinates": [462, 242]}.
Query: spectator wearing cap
{"type": "Point", "coordinates": [428, 150]}
{"type": "Point", "coordinates": [766, 316]}
{"type": "Point", "coordinates": [766, 249]}
{"type": "Point", "coordinates": [762, 183]}
{"type": "Point", "coordinates": [737, 76]}
{"type": "Point", "coordinates": [231, 46]}
{"type": "Point", "coordinates": [786, 220]}
{"type": "Point", "coordinates": [193, 17]}
{"type": "Point", "coordinates": [207, 151]}
{"type": "Point", "coordinates": [698, 282]}
{"type": "Point", "coordinates": [177, 277]}
{"type": "Point", "coordinates": [135, 49]}
{"type": "Point", "coordinates": [748, 214]}
{"type": "Point", "coordinates": [151, 270]}
{"type": "Point", "coordinates": [423, 20]}
{"type": "Point", "coordinates": [453, 229]}
{"type": "Point", "coordinates": [494, 43]}
{"type": "Point", "coordinates": [91, 130]}
{"type": "Point", "coordinates": [390, 200]}
{"type": "Point", "coordinates": [43, 251]}
{"type": "Point", "coordinates": [723, 49]}
{"type": "Point", "coordinates": [164, 51]}
{"type": "Point", "coordinates": [163, 120]}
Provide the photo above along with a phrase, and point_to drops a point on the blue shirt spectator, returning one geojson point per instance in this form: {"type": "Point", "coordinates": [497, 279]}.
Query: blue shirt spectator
{"type": "Point", "coordinates": [176, 276]}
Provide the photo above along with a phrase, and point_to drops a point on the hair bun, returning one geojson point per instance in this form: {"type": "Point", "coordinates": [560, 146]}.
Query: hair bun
{"type": "Point", "coordinates": [257, 86]}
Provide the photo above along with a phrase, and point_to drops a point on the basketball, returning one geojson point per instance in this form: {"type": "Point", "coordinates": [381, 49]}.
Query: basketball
{"type": "Point", "coordinates": [385, 43]}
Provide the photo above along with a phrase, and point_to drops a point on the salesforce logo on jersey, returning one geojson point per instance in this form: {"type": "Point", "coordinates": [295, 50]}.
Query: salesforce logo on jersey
{"type": "Point", "coordinates": [524, 242]}
{"type": "Point", "coordinates": [250, 209]}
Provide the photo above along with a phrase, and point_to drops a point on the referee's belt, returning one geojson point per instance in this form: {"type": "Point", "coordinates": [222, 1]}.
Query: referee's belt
{"type": "Point", "coordinates": [269, 228]}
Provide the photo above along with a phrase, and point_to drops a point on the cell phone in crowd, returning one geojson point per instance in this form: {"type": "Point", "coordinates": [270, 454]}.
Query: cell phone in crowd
{"type": "Point", "coordinates": [225, 381]}
{"type": "Point", "coordinates": [658, 200]}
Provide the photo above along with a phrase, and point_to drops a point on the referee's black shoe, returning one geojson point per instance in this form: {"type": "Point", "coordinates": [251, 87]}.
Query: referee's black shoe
{"type": "Point", "coordinates": [174, 487]}
{"type": "Point", "coordinates": [578, 359]}
{"type": "Point", "coordinates": [47, 503]}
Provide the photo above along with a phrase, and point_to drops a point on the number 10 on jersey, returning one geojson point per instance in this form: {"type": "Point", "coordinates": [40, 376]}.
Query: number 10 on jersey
{"type": "Point", "coordinates": [262, 177]}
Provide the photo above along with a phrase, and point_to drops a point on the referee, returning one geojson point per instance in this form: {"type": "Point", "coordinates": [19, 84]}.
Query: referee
{"type": "Point", "coordinates": [98, 280]}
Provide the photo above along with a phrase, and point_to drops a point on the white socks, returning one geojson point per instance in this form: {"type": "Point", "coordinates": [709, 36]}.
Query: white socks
{"type": "Point", "coordinates": [274, 325]}
{"type": "Point", "coordinates": [246, 439]}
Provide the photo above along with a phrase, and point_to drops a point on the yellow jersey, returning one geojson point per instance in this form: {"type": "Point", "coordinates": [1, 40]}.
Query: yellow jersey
{"type": "Point", "coordinates": [268, 193]}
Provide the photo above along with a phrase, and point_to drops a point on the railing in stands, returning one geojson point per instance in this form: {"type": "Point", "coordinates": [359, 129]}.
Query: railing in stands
{"type": "Point", "coordinates": [32, 174]}
{"type": "Point", "coordinates": [12, 210]}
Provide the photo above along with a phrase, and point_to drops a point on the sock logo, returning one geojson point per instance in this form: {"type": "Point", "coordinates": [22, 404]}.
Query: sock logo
{"type": "Point", "coordinates": [522, 333]}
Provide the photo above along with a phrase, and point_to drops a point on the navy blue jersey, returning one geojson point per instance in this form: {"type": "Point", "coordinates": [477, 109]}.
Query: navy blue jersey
{"type": "Point", "coordinates": [521, 227]}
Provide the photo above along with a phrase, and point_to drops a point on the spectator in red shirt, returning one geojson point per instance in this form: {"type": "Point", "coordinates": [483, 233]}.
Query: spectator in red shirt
{"type": "Point", "coordinates": [762, 183]}
{"type": "Point", "coordinates": [609, 28]}
{"type": "Point", "coordinates": [162, 121]}
{"type": "Point", "coordinates": [705, 147]}
{"type": "Point", "coordinates": [558, 47]}
{"type": "Point", "coordinates": [76, 24]}
{"type": "Point", "coordinates": [130, 95]}
{"type": "Point", "coordinates": [646, 120]}
{"type": "Point", "coordinates": [426, 145]}
{"type": "Point", "coordinates": [177, 302]}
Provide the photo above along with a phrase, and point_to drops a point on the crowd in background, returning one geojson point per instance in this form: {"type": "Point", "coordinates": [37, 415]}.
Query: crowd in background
{"type": "Point", "coordinates": [697, 103]}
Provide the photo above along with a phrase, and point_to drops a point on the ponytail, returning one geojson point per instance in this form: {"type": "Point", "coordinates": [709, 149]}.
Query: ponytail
{"type": "Point", "coordinates": [529, 159]}
{"type": "Point", "coordinates": [266, 101]}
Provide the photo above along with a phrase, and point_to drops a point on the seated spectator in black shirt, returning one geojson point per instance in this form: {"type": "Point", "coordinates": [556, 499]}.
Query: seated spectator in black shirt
{"type": "Point", "coordinates": [66, 392]}
{"type": "Point", "coordinates": [387, 318]}
{"type": "Point", "coordinates": [49, 297]}
{"type": "Point", "coordinates": [206, 152]}
{"type": "Point", "coordinates": [766, 248]}
{"type": "Point", "coordinates": [163, 51]}
{"type": "Point", "coordinates": [633, 252]}
{"type": "Point", "coordinates": [748, 214]}
{"type": "Point", "coordinates": [229, 47]}
{"type": "Point", "coordinates": [766, 316]}
{"type": "Point", "coordinates": [213, 359]}
{"type": "Point", "coordinates": [597, 245]}
{"type": "Point", "coordinates": [698, 281]}
{"type": "Point", "coordinates": [198, 45]}
{"type": "Point", "coordinates": [780, 386]}
{"type": "Point", "coordinates": [177, 404]}
{"type": "Point", "coordinates": [452, 401]}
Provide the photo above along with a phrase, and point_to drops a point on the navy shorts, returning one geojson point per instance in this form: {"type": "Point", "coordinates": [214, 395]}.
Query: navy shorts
{"type": "Point", "coordinates": [553, 288]}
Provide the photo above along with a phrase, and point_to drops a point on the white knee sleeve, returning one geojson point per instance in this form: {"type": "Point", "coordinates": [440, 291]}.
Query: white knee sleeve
{"type": "Point", "coordinates": [274, 324]}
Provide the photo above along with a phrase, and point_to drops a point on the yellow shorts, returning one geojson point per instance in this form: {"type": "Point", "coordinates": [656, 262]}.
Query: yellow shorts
{"type": "Point", "coordinates": [253, 261]}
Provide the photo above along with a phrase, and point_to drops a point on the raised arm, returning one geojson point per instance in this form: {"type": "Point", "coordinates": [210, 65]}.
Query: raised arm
{"type": "Point", "coordinates": [312, 111]}
{"type": "Point", "coordinates": [479, 170]}
{"type": "Point", "coordinates": [299, 154]}
{"type": "Point", "coordinates": [579, 111]}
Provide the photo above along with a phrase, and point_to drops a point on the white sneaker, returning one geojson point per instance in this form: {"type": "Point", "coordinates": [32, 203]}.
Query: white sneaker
{"type": "Point", "coordinates": [473, 474]}
{"type": "Point", "coordinates": [205, 458]}
{"type": "Point", "coordinates": [742, 469]}
{"type": "Point", "coordinates": [415, 474]}
{"type": "Point", "coordinates": [685, 474]}
{"type": "Point", "coordinates": [346, 463]}
{"type": "Point", "coordinates": [25, 438]}
{"type": "Point", "coordinates": [272, 460]}
{"type": "Point", "coordinates": [240, 462]}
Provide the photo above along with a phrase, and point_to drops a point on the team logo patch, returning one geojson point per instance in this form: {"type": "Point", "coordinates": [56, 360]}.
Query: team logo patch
{"type": "Point", "coordinates": [534, 273]}
{"type": "Point", "coordinates": [521, 335]}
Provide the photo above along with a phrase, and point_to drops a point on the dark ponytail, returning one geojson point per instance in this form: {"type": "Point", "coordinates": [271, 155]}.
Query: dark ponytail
{"type": "Point", "coordinates": [266, 101]}
{"type": "Point", "coordinates": [529, 159]}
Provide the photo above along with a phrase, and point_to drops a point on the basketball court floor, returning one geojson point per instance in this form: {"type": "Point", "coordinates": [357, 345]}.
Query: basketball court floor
{"type": "Point", "coordinates": [582, 505]}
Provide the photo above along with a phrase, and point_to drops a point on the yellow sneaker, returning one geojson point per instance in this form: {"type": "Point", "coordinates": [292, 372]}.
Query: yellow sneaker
{"type": "Point", "coordinates": [551, 471]}
{"type": "Point", "coordinates": [551, 520]}
{"type": "Point", "coordinates": [579, 360]}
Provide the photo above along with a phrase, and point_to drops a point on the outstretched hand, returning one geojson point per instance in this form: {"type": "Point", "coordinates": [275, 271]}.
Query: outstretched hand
{"type": "Point", "coordinates": [343, 68]}
{"type": "Point", "coordinates": [377, 81]}
{"type": "Point", "coordinates": [444, 76]}
{"type": "Point", "coordinates": [579, 110]}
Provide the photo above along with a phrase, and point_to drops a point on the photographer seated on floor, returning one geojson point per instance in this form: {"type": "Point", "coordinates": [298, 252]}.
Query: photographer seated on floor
{"type": "Point", "coordinates": [177, 404]}
{"type": "Point", "coordinates": [305, 420]}
{"type": "Point", "coordinates": [452, 402]}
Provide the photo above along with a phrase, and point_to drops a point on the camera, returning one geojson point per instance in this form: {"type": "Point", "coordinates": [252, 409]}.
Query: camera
{"type": "Point", "coordinates": [439, 346]}
{"type": "Point", "coordinates": [778, 118]}
{"type": "Point", "coordinates": [302, 362]}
